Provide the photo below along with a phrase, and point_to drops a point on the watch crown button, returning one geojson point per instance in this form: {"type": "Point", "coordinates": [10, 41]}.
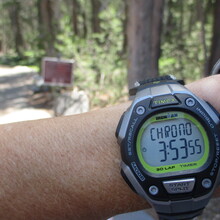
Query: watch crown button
{"type": "Point", "coordinates": [190, 102]}
{"type": "Point", "coordinates": [206, 183]}
{"type": "Point", "coordinates": [140, 110]}
{"type": "Point", "coordinates": [153, 190]}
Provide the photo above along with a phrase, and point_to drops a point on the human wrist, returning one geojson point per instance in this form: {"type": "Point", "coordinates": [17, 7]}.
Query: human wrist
{"type": "Point", "coordinates": [66, 167]}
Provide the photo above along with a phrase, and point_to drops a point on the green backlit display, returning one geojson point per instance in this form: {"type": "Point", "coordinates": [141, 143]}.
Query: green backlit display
{"type": "Point", "coordinates": [172, 141]}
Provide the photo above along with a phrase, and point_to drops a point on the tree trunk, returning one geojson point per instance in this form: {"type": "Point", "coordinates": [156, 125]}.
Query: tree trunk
{"type": "Point", "coordinates": [125, 26]}
{"type": "Point", "coordinates": [40, 28]}
{"type": "Point", "coordinates": [75, 11]}
{"type": "Point", "coordinates": [158, 9]}
{"type": "Point", "coordinates": [85, 31]}
{"type": "Point", "coordinates": [14, 14]}
{"type": "Point", "coordinates": [47, 32]}
{"type": "Point", "coordinates": [144, 30]}
{"type": "Point", "coordinates": [202, 17]}
{"type": "Point", "coordinates": [96, 6]}
{"type": "Point", "coordinates": [215, 48]}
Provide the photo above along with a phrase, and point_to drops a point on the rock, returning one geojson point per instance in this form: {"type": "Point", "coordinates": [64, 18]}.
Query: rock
{"type": "Point", "coordinates": [70, 103]}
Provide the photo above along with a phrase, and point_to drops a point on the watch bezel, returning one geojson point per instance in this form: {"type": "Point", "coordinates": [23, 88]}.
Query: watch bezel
{"type": "Point", "coordinates": [145, 178]}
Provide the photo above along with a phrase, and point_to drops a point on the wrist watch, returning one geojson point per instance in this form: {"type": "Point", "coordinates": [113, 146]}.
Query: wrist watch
{"type": "Point", "coordinates": [170, 148]}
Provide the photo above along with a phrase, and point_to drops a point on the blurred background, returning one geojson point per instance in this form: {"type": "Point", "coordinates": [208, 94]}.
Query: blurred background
{"type": "Point", "coordinates": [109, 43]}
{"type": "Point", "coordinates": [113, 43]}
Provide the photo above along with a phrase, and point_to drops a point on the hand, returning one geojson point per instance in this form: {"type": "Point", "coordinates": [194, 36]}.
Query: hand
{"type": "Point", "coordinates": [207, 89]}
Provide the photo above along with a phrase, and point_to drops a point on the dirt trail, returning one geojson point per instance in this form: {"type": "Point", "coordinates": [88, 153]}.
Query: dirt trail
{"type": "Point", "coordinates": [17, 100]}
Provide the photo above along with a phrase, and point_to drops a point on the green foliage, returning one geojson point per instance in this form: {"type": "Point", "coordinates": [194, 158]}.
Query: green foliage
{"type": "Point", "coordinates": [99, 62]}
{"type": "Point", "coordinates": [100, 59]}
{"type": "Point", "coordinates": [100, 65]}
{"type": "Point", "coordinates": [183, 51]}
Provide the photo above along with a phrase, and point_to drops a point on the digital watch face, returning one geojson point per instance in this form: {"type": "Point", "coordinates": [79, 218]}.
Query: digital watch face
{"type": "Point", "coordinates": [172, 141]}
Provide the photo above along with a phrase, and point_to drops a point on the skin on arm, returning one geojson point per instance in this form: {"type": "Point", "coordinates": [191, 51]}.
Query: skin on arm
{"type": "Point", "coordinates": [68, 167]}
{"type": "Point", "coordinates": [64, 168]}
{"type": "Point", "coordinates": [208, 89]}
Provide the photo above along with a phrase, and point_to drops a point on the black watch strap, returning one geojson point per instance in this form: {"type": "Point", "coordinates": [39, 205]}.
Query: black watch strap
{"type": "Point", "coordinates": [216, 68]}
{"type": "Point", "coordinates": [179, 216]}
{"type": "Point", "coordinates": [148, 82]}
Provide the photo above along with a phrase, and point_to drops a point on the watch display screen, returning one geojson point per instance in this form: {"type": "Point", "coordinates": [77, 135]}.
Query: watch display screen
{"type": "Point", "coordinates": [172, 141]}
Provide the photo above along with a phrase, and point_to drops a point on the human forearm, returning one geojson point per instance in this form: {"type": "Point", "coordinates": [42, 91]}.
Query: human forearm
{"type": "Point", "coordinates": [68, 167]}
{"type": "Point", "coordinates": [207, 89]}
{"type": "Point", "coordinates": [64, 168]}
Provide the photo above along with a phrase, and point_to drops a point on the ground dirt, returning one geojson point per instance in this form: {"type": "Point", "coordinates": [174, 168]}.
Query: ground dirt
{"type": "Point", "coordinates": [18, 102]}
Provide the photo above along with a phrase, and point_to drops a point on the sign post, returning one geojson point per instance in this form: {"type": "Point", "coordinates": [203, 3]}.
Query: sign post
{"type": "Point", "coordinates": [57, 72]}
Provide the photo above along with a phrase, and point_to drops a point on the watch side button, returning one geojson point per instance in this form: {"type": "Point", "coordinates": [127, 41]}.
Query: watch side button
{"type": "Point", "coordinates": [127, 181]}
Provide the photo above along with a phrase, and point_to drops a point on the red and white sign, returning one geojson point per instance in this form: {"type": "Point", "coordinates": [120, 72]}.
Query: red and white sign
{"type": "Point", "coordinates": [57, 72]}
